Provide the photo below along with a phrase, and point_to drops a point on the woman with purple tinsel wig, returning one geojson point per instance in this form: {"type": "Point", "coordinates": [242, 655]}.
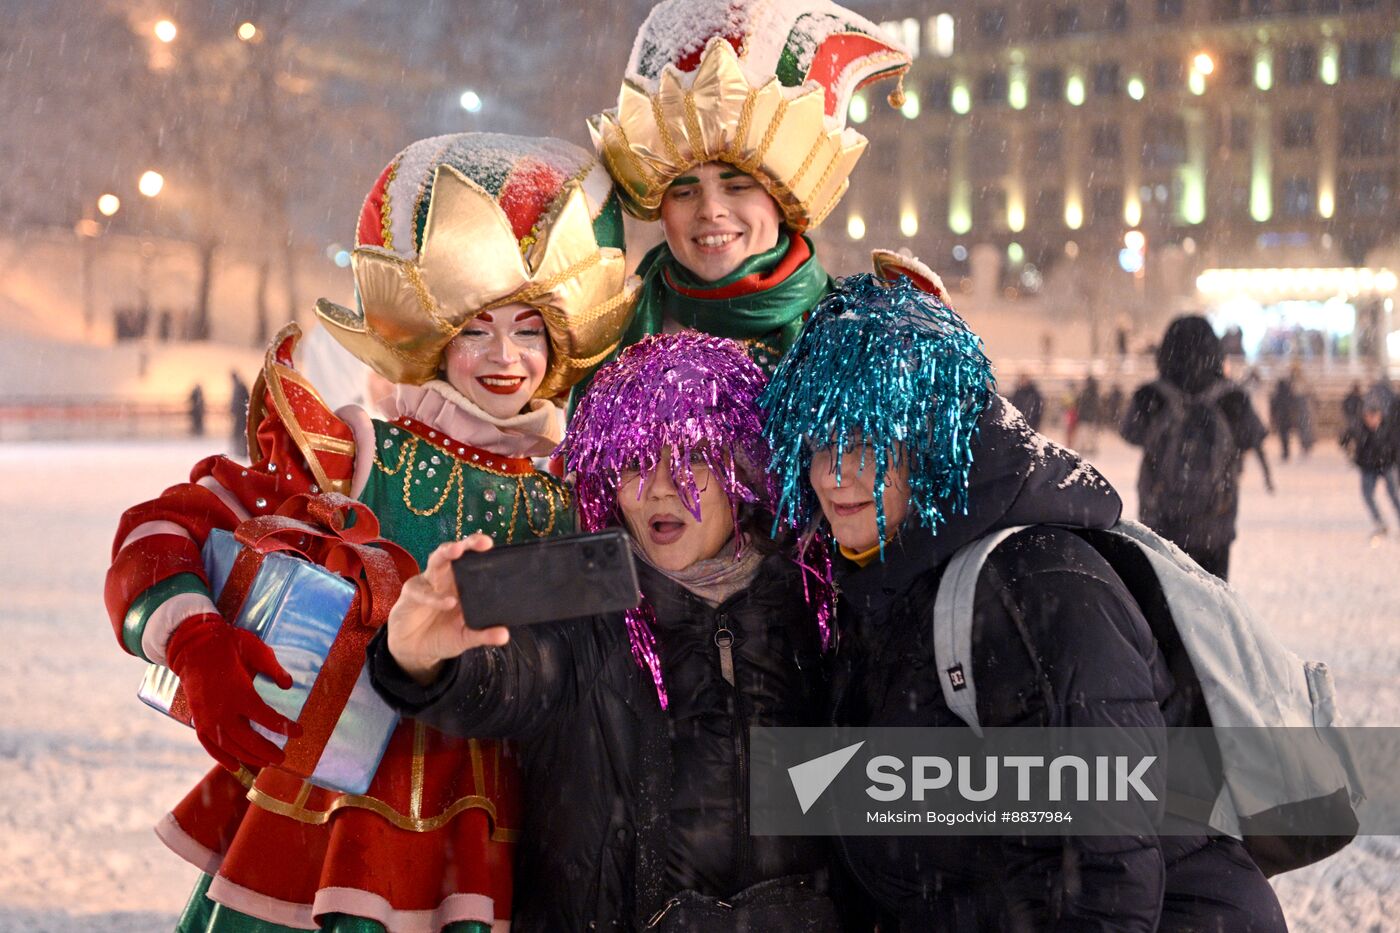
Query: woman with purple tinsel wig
{"type": "Point", "coordinates": [634, 729]}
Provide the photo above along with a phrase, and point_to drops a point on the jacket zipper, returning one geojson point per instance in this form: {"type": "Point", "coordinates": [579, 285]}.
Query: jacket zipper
{"type": "Point", "coordinates": [724, 641]}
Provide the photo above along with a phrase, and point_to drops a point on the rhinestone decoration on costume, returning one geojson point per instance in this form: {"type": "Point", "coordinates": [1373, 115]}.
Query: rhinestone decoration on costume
{"type": "Point", "coordinates": [761, 84]}
{"type": "Point", "coordinates": [459, 224]}
{"type": "Point", "coordinates": [429, 488]}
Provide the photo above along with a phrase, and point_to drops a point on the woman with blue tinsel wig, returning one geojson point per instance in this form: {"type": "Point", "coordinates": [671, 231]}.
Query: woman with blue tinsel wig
{"type": "Point", "coordinates": [886, 428]}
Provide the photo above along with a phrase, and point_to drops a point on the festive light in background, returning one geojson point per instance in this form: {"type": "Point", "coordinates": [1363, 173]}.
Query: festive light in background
{"type": "Point", "coordinates": [108, 204]}
{"type": "Point", "coordinates": [165, 31]}
{"type": "Point", "coordinates": [151, 183]}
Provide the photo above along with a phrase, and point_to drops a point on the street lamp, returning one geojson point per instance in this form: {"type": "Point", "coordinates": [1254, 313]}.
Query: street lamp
{"type": "Point", "coordinates": [151, 183]}
{"type": "Point", "coordinates": [247, 32]}
{"type": "Point", "coordinates": [470, 101]}
{"type": "Point", "coordinates": [165, 31]}
{"type": "Point", "coordinates": [108, 204]}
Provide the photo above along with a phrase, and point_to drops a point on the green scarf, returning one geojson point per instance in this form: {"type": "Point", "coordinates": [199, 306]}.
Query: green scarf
{"type": "Point", "coordinates": [745, 305]}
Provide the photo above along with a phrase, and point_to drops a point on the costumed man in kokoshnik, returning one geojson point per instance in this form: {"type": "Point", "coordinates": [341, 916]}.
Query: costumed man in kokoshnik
{"type": "Point", "coordinates": [730, 129]}
{"type": "Point", "coordinates": [490, 276]}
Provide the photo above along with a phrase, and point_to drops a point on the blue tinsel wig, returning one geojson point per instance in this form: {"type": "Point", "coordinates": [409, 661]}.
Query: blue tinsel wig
{"type": "Point", "coordinates": [890, 367]}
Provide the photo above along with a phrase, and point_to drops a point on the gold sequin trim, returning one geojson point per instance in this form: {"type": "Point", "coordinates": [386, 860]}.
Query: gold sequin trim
{"type": "Point", "coordinates": [768, 136]}
{"type": "Point", "coordinates": [415, 793]}
{"type": "Point", "coordinates": [408, 454]}
{"type": "Point", "coordinates": [692, 129]}
{"type": "Point", "coordinates": [426, 300]}
{"type": "Point", "coordinates": [807, 163]}
{"type": "Point", "coordinates": [666, 140]}
{"type": "Point", "coordinates": [386, 232]}
{"type": "Point", "coordinates": [741, 134]}
{"type": "Point", "coordinates": [537, 290]}
{"type": "Point", "coordinates": [826, 175]}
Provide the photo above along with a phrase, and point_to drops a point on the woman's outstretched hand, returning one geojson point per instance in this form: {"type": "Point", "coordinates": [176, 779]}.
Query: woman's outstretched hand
{"type": "Point", "coordinates": [426, 626]}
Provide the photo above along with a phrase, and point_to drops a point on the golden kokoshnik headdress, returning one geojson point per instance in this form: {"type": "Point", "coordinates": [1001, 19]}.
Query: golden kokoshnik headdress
{"type": "Point", "coordinates": [461, 224]}
{"type": "Point", "coordinates": [763, 85]}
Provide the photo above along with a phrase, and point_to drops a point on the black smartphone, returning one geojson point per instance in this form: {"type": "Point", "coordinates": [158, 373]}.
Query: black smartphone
{"type": "Point", "coordinates": [542, 581]}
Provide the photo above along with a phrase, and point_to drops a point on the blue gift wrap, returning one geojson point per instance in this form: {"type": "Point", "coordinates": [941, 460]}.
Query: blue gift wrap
{"type": "Point", "coordinates": [297, 608]}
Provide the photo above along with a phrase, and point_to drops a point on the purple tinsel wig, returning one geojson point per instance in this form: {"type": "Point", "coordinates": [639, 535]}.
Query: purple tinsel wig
{"type": "Point", "coordinates": [689, 391]}
{"type": "Point", "coordinates": [697, 395]}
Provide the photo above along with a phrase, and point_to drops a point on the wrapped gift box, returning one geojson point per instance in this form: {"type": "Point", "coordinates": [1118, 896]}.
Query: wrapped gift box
{"type": "Point", "coordinates": [297, 608]}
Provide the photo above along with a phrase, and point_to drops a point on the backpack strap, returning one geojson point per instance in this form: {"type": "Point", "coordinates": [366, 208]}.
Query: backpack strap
{"type": "Point", "coordinates": [952, 624]}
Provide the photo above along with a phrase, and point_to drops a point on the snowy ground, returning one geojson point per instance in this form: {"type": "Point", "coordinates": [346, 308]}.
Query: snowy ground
{"type": "Point", "coordinates": [85, 770]}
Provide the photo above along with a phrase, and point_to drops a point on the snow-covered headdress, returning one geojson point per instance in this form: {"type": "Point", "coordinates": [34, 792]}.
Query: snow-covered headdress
{"type": "Point", "coordinates": [890, 367]}
{"type": "Point", "coordinates": [460, 224]}
{"type": "Point", "coordinates": [763, 85]}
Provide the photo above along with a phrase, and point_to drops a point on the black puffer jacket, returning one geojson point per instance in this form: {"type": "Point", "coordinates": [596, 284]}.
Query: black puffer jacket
{"type": "Point", "coordinates": [1100, 667]}
{"type": "Point", "coordinates": [596, 746]}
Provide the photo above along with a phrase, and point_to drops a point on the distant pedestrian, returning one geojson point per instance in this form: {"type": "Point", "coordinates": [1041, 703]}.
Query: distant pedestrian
{"type": "Point", "coordinates": [1283, 413]}
{"type": "Point", "coordinates": [1352, 405]}
{"type": "Point", "coordinates": [1029, 401]}
{"type": "Point", "coordinates": [1304, 403]}
{"type": "Point", "coordinates": [238, 412]}
{"type": "Point", "coordinates": [1090, 408]}
{"type": "Point", "coordinates": [196, 410]}
{"type": "Point", "coordinates": [1194, 427]}
{"type": "Point", "coordinates": [1372, 448]}
{"type": "Point", "coordinates": [1113, 405]}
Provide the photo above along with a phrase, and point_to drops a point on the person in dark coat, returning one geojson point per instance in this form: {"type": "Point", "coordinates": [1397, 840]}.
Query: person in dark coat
{"type": "Point", "coordinates": [1373, 448]}
{"type": "Point", "coordinates": [195, 403]}
{"type": "Point", "coordinates": [1089, 406]}
{"type": "Point", "coordinates": [904, 473]}
{"type": "Point", "coordinates": [634, 730]}
{"type": "Point", "coordinates": [1188, 483]}
{"type": "Point", "coordinates": [1028, 400]}
{"type": "Point", "coordinates": [1352, 404]}
{"type": "Point", "coordinates": [238, 412]}
{"type": "Point", "coordinates": [1283, 413]}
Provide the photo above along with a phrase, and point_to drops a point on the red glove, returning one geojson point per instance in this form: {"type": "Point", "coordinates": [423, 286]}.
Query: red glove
{"type": "Point", "coordinates": [216, 662]}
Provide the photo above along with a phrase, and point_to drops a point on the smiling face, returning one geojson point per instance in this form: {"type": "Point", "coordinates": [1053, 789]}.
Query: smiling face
{"type": "Point", "coordinates": [715, 217]}
{"type": "Point", "coordinates": [670, 537]}
{"type": "Point", "coordinates": [849, 506]}
{"type": "Point", "coordinates": [499, 359]}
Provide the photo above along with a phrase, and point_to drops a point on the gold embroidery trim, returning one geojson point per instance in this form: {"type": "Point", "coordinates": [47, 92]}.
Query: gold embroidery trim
{"type": "Point", "coordinates": [380, 808]}
{"type": "Point", "coordinates": [666, 140]}
{"type": "Point", "coordinates": [331, 445]}
{"type": "Point", "coordinates": [408, 453]}
{"type": "Point", "coordinates": [741, 134]}
{"type": "Point", "coordinates": [299, 437]}
{"type": "Point", "coordinates": [768, 136]}
{"type": "Point", "coordinates": [806, 163]}
{"type": "Point", "coordinates": [386, 232]}
{"type": "Point", "coordinates": [478, 772]}
{"type": "Point", "coordinates": [426, 299]}
{"type": "Point", "coordinates": [692, 129]}
{"type": "Point", "coordinates": [415, 794]}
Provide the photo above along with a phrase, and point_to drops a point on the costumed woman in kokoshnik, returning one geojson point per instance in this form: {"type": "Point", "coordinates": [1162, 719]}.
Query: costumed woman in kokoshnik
{"type": "Point", "coordinates": [634, 727]}
{"type": "Point", "coordinates": [490, 276]}
{"type": "Point", "coordinates": [730, 128]}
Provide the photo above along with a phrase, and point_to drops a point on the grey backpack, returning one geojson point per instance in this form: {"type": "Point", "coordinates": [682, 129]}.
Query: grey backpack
{"type": "Point", "coordinates": [1245, 677]}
